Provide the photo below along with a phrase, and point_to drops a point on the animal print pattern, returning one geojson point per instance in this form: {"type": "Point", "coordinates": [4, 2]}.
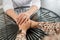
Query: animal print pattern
{"type": "Point", "coordinates": [50, 28]}
{"type": "Point", "coordinates": [21, 36]}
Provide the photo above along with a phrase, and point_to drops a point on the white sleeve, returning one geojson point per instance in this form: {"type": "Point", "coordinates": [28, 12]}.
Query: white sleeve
{"type": "Point", "coordinates": [7, 4]}
{"type": "Point", "coordinates": [37, 3]}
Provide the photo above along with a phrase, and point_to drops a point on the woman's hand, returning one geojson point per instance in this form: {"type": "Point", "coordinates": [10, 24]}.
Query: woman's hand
{"type": "Point", "coordinates": [26, 15]}
{"type": "Point", "coordinates": [34, 24]}
{"type": "Point", "coordinates": [24, 26]}
{"type": "Point", "coordinates": [23, 17]}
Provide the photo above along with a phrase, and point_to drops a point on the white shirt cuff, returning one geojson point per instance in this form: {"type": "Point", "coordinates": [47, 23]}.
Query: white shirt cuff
{"type": "Point", "coordinates": [37, 3]}
{"type": "Point", "coordinates": [7, 4]}
{"type": "Point", "coordinates": [5, 8]}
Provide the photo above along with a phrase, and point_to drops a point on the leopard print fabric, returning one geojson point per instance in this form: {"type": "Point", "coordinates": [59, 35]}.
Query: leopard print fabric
{"type": "Point", "coordinates": [21, 36]}
{"type": "Point", "coordinates": [52, 37]}
{"type": "Point", "coordinates": [50, 28]}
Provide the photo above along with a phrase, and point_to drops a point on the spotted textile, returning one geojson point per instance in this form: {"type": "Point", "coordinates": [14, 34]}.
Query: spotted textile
{"type": "Point", "coordinates": [52, 37]}
{"type": "Point", "coordinates": [20, 37]}
{"type": "Point", "coordinates": [50, 28]}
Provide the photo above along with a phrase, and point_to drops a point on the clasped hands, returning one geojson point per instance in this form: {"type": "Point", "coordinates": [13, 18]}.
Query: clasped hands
{"type": "Point", "coordinates": [24, 22]}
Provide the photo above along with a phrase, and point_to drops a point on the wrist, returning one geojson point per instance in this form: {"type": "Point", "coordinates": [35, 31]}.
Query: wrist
{"type": "Point", "coordinates": [34, 24]}
{"type": "Point", "coordinates": [29, 13]}
{"type": "Point", "coordinates": [23, 31]}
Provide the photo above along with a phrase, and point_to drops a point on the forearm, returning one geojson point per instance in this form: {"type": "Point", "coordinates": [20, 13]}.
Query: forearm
{"type": "Point", "coordinates": [35, 6]}
{"type": "Point", "coordinates": [32, 9]}
{"type": "Point", "coordinates": [47, 27]}
{"type": "Point", "coordinates": [12, 14]}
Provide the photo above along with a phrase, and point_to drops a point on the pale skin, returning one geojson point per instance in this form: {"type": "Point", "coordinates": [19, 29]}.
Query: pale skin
{"type": "Point", "coordinates": [19, 19]}
{"type": "Point", "coordinates": [24, 23]}
{"type": "Point", "coordinates": [23, 19]}
{"type": "Point", "coordinates": [55, 27]}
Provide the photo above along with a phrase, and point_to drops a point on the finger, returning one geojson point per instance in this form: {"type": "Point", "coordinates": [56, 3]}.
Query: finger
{"type": "Point", "coordinates": [27, 19]}
{"type": "Point", "coordinates": [27, 22]}
{"type": "Point", "coordinates": [20, 18]}
{"type": "Point", "coordinates": [24, 22]}
{"type": "Point", "coordinates": [23, 19]}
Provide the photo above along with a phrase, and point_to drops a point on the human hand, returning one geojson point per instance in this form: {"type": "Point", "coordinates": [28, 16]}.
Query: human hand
{"type": "Point", "coordinates": [23, 17]}
{"type": "Point", "coordinates": [24, 26]}
{"type": "Point", "coordinates": [34, 24]}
